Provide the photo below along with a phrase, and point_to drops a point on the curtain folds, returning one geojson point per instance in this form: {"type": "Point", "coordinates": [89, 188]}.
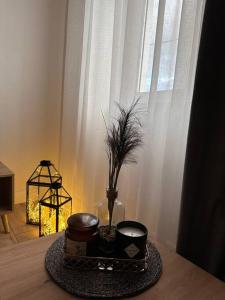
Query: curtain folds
{"type": "Point", "coordinates": [202, 222]}
{"type": "Point", "coordinates": [111, 55]}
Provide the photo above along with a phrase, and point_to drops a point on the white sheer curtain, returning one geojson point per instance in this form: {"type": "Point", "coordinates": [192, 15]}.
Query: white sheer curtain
{"type": "Point", "coordinates": [130, 48]}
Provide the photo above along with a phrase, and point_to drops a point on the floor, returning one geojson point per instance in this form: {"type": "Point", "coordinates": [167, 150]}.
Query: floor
{"type": "Point", "coordinates": [19, 230]}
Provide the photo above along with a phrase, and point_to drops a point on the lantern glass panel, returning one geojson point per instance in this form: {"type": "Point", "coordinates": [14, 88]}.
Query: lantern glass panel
{"type": "Point", "coordinates": [55, 209]}
{"type": "Point", "coordinates": [55, 196]}
{"type": "Point", "coordinates": [64, 214]}
{"type": "Point", "coordinates": [49, 216]}
{"type": "Point", "coordinates": [47, 220]}
{"type": "Point", "coordinates": [45, 174]}
{"type": "Point", "coordinates": [35, 194]}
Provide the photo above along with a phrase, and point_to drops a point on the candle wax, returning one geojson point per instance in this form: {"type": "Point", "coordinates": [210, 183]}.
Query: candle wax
{"type": "Point", "coordinates": [131, 231]}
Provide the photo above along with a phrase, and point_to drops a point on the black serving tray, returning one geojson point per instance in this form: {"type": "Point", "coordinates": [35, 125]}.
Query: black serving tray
{"type": "Point", "coordinates": [109, 264]}
{"type": "Point", "coordinates": [100, 284]}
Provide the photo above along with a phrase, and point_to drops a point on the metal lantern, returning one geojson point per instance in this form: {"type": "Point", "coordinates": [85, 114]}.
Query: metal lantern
{"type": "Point", "coordinates": [39, 182]}
{"type": "Point", "coordinates": [54, 210]}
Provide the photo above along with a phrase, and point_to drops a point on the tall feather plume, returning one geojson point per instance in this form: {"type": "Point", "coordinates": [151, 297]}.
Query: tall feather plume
{"type": "Point", "coordinates": [123, 137]}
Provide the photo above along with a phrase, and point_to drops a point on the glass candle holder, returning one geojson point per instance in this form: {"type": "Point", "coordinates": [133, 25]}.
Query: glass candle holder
{"type": "Point", "coordinates": [131, 238]}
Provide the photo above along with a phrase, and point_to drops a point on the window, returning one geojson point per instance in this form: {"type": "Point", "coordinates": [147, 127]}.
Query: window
{"type": "Point", "coordinates": [160, 42]}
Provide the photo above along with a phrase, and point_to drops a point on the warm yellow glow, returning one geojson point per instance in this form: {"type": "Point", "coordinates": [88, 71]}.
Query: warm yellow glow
{"type": "Point", "coordinates": [34, 211]}
{"type": "Point", "coordinates": [48, 223]}
{"type": "Point", "coordinates": [48, 219]}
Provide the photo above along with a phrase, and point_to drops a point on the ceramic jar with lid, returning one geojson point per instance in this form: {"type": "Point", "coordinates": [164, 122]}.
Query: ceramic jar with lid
{"type": "Point", "coordinates": [81, 235]}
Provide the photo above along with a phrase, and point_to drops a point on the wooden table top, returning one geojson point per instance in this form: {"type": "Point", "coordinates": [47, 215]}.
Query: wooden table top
{"type": "Point", "coordinates": [23, 276]}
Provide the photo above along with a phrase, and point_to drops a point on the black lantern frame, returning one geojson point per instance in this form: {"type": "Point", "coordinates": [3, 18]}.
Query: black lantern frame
{"type": "Point", "coordinates": [41, 179]}
{"type": "Point", "coordinates": [55, 207]}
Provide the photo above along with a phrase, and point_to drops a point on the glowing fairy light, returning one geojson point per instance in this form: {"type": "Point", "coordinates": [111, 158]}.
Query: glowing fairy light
{"type": "Point", "coordinates": [34, 211]}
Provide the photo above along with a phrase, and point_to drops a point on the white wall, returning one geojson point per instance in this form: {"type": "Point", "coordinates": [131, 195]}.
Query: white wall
{"type": "Point", "coordinates": [31, 71]}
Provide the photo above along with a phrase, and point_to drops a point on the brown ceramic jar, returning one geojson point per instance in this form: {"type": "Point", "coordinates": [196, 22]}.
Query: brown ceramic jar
{"type": "Point", "coordinates": [81, 235]}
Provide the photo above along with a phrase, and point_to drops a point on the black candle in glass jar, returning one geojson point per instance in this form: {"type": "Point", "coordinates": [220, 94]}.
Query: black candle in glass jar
{"type": "Point", "coordinates": [131, 237]}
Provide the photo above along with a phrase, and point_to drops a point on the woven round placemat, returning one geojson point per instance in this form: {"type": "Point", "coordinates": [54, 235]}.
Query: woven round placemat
{"type": "Point", "coordinates": [99, 284]}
